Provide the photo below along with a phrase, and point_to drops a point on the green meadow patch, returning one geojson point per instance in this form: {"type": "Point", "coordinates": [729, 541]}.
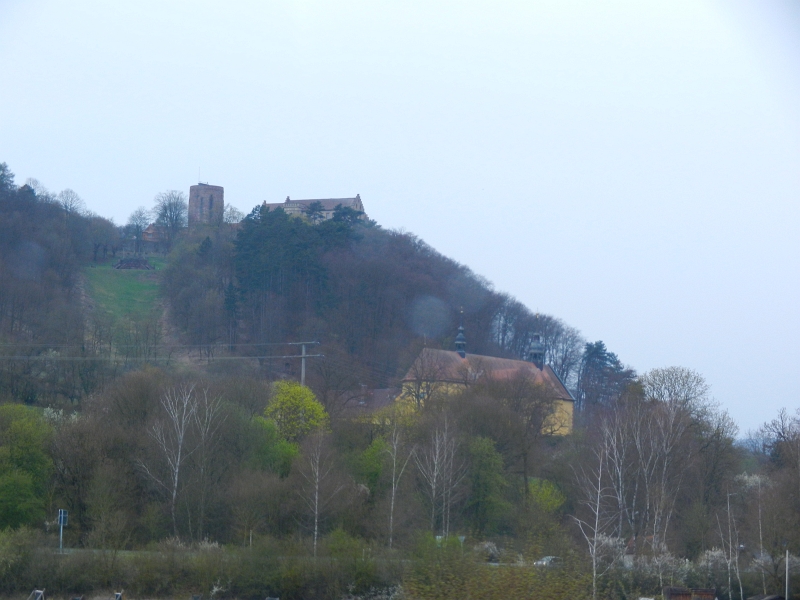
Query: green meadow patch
{"type": "Point", "coordinates": [124, 294]}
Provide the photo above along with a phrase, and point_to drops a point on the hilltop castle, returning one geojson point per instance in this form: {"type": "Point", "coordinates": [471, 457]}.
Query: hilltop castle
{"type": "Point", "coordinates": [327, 206]}
{"type": "Point", "coordinates": [207, 205]}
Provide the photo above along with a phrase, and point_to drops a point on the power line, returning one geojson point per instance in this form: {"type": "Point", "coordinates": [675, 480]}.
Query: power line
{"type": "Point", "coordinates": [39, 357]}
{"type": "Point", "coordinates": [225, 344]}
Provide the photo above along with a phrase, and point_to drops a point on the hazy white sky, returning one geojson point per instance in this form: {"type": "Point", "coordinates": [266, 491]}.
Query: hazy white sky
{"type": "Point", "coordinates": [630, 167]}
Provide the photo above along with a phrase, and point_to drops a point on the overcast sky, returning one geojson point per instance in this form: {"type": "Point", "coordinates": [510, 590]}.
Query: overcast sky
{"type": "Point", "coordinates": [630, 167]}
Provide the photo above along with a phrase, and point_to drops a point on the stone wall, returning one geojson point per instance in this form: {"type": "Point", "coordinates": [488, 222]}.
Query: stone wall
{"type": "Point", "coordinates": [206, 204]}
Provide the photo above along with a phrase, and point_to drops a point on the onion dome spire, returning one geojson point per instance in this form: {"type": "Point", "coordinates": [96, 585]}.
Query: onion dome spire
{"type": "Point", "coordinates": [461, 341]}
{"type": "Point", "coordinates": [536, 352]}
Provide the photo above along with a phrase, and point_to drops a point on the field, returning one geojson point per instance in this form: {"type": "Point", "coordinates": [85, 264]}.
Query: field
{"type": "Point", "coordinates": [124, 294]}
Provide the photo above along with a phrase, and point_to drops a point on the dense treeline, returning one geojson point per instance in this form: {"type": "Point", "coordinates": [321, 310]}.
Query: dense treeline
{"type": "Point", "coordinates": [46, 348]}
{"type": "Point", "coordinates": [371, 296]}
{"type": "Point", "coordinates": [161, 463]}
{"type": "Point", "coordinates": [228, 478]}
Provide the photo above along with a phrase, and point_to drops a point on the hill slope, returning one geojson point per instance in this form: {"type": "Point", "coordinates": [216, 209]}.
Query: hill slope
{"type": "Point", "coordinates": [372, 297]}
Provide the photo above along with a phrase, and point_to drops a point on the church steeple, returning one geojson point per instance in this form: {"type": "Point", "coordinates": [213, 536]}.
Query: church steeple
{"type": "Point", "coordinates": [536, 353]}
{"type": "Point", "coordinates": [461, 341]}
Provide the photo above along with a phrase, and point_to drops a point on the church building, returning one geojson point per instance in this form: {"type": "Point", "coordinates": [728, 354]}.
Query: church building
{"type": "Point", "coordinates": [443, 373]}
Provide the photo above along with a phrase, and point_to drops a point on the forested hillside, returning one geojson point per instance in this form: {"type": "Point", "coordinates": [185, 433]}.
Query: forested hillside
{"type": "Point", "coordinates": [372, 297]}
{"type": "Point", "coordinates": [45, 241]}
{"type": "Point", "coordinates": [162, 409]}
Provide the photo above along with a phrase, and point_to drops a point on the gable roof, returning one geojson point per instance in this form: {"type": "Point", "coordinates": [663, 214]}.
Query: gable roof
{"type": "Point", "coordinates": [328, 204]}
{"type": "Point", "coordinates": [447, 366]}
{"type": "Point", "coordinates": [371, 401]}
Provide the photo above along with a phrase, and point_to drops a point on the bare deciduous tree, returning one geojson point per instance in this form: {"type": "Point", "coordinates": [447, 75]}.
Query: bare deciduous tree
{"type": "Point", "coordinates": [137, 223]}
{"type": "Point", "coordinates": [171, 433]}
{"type": "Point", "coordinates": [399, 457]}
{"type": "Point", "coordinates": [563, 348]}
{"type": "Point", "coordinates": [336, 381]}
{"type": "Point", "coordinates": [40, 190]}
{"type": "Point", "coordinates": [171, 212]}
{"type": "Point", "coordinates": [595, 527]}
{"type": "Point", "coordinates": [442, 472]}
{"type": "Point", "coordinates": [71, 202]}
{"type": "Point", "coordinates": [782, 437]}
{"type": "Point", "coordinates": [232, 214]}
{"type": "Point", "coordinates": [677, 397]}
{"type": "Point", "coordinates": [648, 436]}
{"type": "Point", "coordinates": [426, 381]}
{"type": "Point", "coordinates": [317, 471]}
{"type": "Point", "coordinates": [729, 537]}
{"type": "Point", "coordinates": [208, 418]}
{"type": "Point", "coordinates": [755, 484]}
{"type": "Point", "coordinates": [248, 502]}
{"type": "Point", "coordinates": [683, 387]}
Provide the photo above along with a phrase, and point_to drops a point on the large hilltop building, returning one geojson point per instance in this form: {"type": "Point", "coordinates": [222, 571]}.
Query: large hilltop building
{"type": "Point", "coordinates": [206, 204]}
{"type": "Point", "coordinates": [326, 206]}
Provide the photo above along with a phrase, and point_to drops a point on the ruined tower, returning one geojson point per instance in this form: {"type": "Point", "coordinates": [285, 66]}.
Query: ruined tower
{"type": "Point", "coordinates": [206, 204]}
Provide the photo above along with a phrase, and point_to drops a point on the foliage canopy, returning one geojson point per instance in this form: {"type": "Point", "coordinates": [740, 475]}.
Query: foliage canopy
{"type": "Point", "coordinates": [295, 410]}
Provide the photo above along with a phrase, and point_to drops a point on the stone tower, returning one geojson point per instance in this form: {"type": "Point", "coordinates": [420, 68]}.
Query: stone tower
{"type": "Point", "coordinates": [206, 204]}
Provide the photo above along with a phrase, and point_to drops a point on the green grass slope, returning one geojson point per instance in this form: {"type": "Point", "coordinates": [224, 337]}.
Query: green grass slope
{"type": "Point", "coordinates": [124, 294]}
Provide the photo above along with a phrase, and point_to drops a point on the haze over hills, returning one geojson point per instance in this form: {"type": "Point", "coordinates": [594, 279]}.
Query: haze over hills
{"type": "Point", "coordinates": [628, 169]}
{"type": "Point", "coordinates": [372, 297]}
{"type": "Point", "coordinates": [149, 383]}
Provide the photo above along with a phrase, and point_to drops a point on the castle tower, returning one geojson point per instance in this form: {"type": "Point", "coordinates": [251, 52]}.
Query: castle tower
{"type": "Point", "coordinates": [206, 204]}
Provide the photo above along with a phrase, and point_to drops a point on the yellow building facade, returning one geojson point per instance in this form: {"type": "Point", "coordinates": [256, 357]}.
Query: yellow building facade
{"type": "Point", "coordinates": [442, 374]}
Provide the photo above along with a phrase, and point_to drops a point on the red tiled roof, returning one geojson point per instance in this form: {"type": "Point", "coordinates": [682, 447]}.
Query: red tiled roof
{"type": "Point", "coordinates": [327, 203]}
{"type": "Point", "coordinates": [448, 366]}
{"type": "Point", "coordinates": [372, 400]}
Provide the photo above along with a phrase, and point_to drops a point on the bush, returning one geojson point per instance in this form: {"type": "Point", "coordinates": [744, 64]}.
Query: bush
{"type": "Point", "coordinates": [443, 571]}
{"type": "Point", "coordinates": [172, 569]}
{"type": "Point", "coordinates": [17, 548]}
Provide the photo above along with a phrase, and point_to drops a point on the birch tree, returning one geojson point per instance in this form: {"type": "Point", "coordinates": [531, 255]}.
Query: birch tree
{"type": "Point", "coordinates": [729, 537]}
{"type": "Point", "coordinates": [621, 466]}
{"type": "Point", "coordinates": [750, 484]}
{"type": "Point", "coordinates": [320, 485]}
{"type": "Point", "coordinates": [399, 457]}
{"type": "Point", "coordinates": [442, 472]}
{"type": "Point", "coordinates": [171, 436]}
{"type": "Point", "coordinates": [594, 497]}
{"type": "Point", "coordinates": [649, 436]}
{"type": "Point", "coordinates": [208, 418]}
{"type": "Point", "coordinates": [677, 397]}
